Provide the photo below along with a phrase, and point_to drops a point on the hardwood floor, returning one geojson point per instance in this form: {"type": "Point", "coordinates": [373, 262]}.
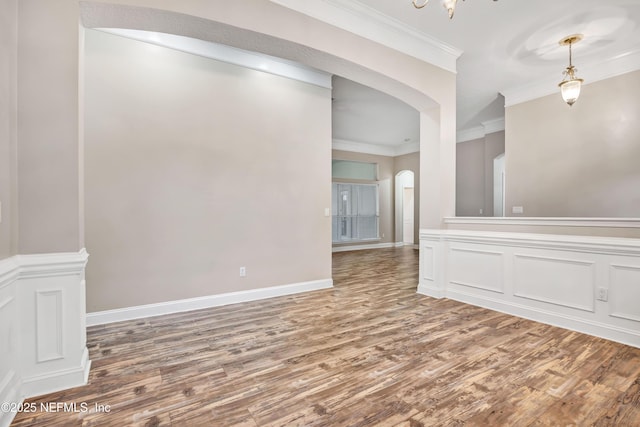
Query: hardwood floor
{"type": "Point", "coordinates": [368, 352]}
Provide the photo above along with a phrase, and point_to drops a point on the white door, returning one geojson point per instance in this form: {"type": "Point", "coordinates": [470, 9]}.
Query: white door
{"type": "Point", "coordinates": [407, 215]}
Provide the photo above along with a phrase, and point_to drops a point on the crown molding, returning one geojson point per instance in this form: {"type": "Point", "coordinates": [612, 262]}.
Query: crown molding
{"type": "Point", "coordinates": [477, 132]}
{"type": "Point", "coordinates": [493, 126]}
{"type": "Point", "coordinates": [375, 149]}
{"type": "Point", "coordinates": [470, 134]}
{"type": "Point", "coordinates": [231, 55]}
{"type": "Point", "coordinates": [590, 72]}
{"type": "Point", "coordinates": [363, 20]}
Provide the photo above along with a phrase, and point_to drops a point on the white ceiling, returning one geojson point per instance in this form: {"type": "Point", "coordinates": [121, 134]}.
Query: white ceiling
{"type": "Point", "coordinates": [509, 47]}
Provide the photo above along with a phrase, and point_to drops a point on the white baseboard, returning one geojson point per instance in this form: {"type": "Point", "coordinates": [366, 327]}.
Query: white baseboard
{"type": "Point", "coordinates": [347, 248]}
{"type": "Point", "coordinates": [58, 380]}
{"type": "Point", "coordinates": [587, 326]}
{"type": "Point", "coordinates": [430, 292]}
{"type": "Point", "coordinates": [169, 307]}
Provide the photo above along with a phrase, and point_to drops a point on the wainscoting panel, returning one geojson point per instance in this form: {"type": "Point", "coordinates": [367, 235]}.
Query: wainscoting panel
{"type": "Point", "coordinates": [428, 257]}
{"type": "Point", "coordinates": [42, 338]}
{"type": "Point", "coordinates": [429, 282]}
{"type": "Point", "coordinates": [476, 268]}
{"type": "Point", "coordinates": [624, 292]}
{"type": "Point", "coordinates": [565, 282]}
{"type": "Point", "coordinates": [49, 333]}
{"type": "Point", "coordinates": [587, 284]}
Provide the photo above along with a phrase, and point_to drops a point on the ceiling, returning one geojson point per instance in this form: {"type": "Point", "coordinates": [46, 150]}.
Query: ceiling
{"type": "Point", "coordinates": [510, 53]}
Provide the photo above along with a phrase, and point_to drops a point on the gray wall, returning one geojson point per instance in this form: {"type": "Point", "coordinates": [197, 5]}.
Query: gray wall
{"type": "Point", "coordinates": [49, 145]}
{"type": "Point", "coordinates": [474, 174]}
{"type": "Point", "coordinates": [8, 49]}
{"type": "Point", "coordinates": [196, 168]}
{"type": "Point", "coordinates": [580, 161]}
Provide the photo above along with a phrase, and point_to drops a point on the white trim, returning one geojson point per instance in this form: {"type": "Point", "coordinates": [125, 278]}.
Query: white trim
{"type": "Point", "coordinates": [48, 265]}
{"type": "Point", "coordinates": [358, 18]}
{"type": "Point", "coordinates": [430, 291]}
{"type": "Point", "coordinates": [470, 134]}
{"type": "Point", "coordinates": [231, 55]}
{"type": "Point", "coordinates": [548, 221]}
{"type": "Point", "coordinates": [347, 248]}
{"type": "Point", "coordinates": [376, 149]}
{"type": "Point", "coordinates": [477, 132]}
{"type": "Point", "coordinates": [178, 306]}
{"type": "Point", "coordinates": [591, 73]}
{"type": "Point", "coordinates": [62, 379]}
{"type": "Point", "coordinates": [493, 126]}
{"type": "Point", "coordinates": [591, 244]}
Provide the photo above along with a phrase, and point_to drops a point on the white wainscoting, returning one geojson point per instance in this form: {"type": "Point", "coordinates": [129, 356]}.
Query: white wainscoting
{"type": "Point", "coordinates": [42, 326]}
{"type": "Point", "coordinates": [149, 310]}
{"type": "Point", "coordinates": [587, 284]}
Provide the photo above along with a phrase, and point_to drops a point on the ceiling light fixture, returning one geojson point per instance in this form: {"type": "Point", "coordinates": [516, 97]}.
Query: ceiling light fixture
{"type": "Point", "coordinates": [450, 5]}
{"type": "Point", "coordinates": [570, 85]}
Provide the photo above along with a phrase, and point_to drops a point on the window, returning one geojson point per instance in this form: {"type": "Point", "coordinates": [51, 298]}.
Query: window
{"type": "Point", "coordinates": [348, 169]}
{"type": "Point", "coordinates": [355, 212]}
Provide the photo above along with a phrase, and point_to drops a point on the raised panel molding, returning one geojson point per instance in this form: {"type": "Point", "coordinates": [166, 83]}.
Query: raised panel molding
{"type": "Point", "coordinates": [49, 332]}
{"type": "Point", "coordinates": [428, 258]}
{"type": "Point", "coordinates": [553, 279]}
{"type": "Point", "coordinates": [474, 268]}
{"type": "Point", "coordinates": [565, 282]}
{"type": "Point", "coordinates": [624, 292]}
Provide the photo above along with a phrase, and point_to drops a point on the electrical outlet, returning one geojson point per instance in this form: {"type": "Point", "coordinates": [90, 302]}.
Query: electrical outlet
{"type": "Point", "coordinates": [517, 209]}
{"type": "Point", "coordinates": [243, 271]}
{"type": "Point", "coordinates": [603, 294]}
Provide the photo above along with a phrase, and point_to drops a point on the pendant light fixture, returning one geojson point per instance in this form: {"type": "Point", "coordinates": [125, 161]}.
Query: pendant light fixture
{"type": "Point", "coordinates": [570, 86]}
{"type": "Point", "coordinates": [450, 5]}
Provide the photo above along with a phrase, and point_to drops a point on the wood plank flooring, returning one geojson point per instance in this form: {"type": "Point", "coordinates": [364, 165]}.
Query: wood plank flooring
{"type": "Point", "coordinates": [368, 352]}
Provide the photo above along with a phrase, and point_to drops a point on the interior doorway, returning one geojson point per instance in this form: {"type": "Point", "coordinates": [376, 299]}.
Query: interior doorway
{"type": "Point", "coordinates": [405, 208]}
{"type": "Point", "coordinates": [407, 216]}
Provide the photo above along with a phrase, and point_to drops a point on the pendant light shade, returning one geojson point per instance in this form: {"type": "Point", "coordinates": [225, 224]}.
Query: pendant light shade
{"type": "Point", "coordinates": [570, 90]}
{"type": "Point", "coordinates": [570, 86]}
